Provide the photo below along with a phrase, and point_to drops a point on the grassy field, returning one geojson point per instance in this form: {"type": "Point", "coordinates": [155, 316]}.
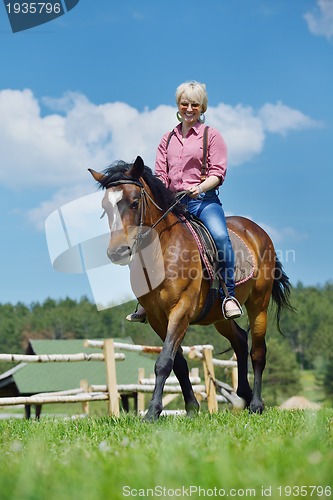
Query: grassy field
{"type": "Point", "coordinates": [226, 454]}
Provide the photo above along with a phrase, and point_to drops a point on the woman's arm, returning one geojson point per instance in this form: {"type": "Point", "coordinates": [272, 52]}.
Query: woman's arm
{"type": "Point", "coordinates": [216, 164]}
{"type": "Point", "coordinates": [209, 183]}
{"type": "Point", "coordinates": [161, 164]}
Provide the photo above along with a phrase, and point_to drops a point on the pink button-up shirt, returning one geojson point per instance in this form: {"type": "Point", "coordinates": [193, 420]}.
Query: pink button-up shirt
{"type": "Point", "coordinates": [179, 165]}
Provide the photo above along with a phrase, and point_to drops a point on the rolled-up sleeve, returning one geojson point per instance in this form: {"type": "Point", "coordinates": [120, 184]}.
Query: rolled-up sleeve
{"type": "Point", "coordinates": [217, 155]}
{"type": "Point", "coordinates": [161, 164]}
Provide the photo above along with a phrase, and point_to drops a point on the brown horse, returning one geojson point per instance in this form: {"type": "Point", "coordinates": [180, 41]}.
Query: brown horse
{"type": "Point", "coordinates": [135, 202]}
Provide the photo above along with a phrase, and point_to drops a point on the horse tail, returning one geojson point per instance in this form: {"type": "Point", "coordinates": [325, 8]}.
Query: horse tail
{"type": "Point", "coordinates": [281, 291]}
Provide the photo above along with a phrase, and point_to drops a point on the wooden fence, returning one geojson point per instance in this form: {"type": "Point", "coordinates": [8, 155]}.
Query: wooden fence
{"type": "Point", "coordinates": [112, 391]}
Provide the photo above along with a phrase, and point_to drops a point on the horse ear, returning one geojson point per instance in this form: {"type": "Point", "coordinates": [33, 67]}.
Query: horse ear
{"type": "Point", "coordinates": [137, 168]}
{"type": "Point", "coordinates": [96, 175]}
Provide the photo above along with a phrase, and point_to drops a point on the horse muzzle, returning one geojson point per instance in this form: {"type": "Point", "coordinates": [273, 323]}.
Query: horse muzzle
{"type": "Point", "coordinates": [121, 256]}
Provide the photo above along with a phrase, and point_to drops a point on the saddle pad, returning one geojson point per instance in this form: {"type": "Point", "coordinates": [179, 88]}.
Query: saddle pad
{"type": "Point", "coordinates": [244, 262]}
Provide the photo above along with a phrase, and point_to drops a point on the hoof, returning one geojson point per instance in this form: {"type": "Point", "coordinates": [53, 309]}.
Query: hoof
{"type": "Point", "coordinates": [192, 411]}
{"type": "Point", "coordinates": [256, 406]}
{"type": "Point", "coordinates": [150, 419]}
{"type": "Point", "coordinates": [152, 414]}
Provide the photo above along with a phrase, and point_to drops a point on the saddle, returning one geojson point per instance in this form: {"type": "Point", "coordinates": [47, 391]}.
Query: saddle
{"type": "Point", "coordinates": [244, 262]}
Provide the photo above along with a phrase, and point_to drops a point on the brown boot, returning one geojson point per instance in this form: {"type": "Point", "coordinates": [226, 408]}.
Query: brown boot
{"type": "Point", "coordinates": [139, 316]}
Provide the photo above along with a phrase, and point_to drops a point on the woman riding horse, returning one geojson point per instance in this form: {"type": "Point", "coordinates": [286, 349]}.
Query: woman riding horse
{"type": "Point", "coordinates": [193, 158]}
{"type": "Point", "coordinates": [138, 206]}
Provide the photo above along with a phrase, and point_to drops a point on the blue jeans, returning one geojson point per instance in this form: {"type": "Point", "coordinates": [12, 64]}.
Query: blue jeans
{"type": "Point", "coordinates": [208, 208]}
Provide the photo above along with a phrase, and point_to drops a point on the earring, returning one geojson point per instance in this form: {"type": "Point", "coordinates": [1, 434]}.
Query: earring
{"type": "Point", "coordinates": [202, 118]}
{"type": "Point", "coordinates": [179, 118]}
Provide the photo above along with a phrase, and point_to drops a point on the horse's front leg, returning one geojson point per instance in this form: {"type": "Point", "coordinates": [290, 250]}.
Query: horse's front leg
{"type": "Point", "coordinates": [163, 367]}
{"type": "Point", "coordinates": [176, 330]}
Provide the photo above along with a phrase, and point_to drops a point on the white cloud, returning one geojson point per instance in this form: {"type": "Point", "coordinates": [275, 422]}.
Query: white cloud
{"type": "Point", "coordinates": [279, 235]}
{"type": "Point", "coordinates": [280, 119]}
{"type": "Point", "coordinates": [242, 130]}
{"type": "Point", "coordinates": [53, 149]}
{"type": "Point", "coordinates": [320, 22]}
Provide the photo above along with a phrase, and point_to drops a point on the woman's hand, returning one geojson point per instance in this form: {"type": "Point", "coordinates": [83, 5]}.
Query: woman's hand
{"type": "Point", "coordinates": [210, 183]}
{"type": "Point", "coordinates": [194, 191]}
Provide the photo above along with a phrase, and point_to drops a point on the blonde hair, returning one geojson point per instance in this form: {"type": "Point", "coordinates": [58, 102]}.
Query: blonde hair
{"type": "Point", "coordinates": [193, 91]}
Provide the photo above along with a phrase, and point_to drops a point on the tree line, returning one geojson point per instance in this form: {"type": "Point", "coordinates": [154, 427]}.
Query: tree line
{"type": "Point", "coordinates": [306, 344]}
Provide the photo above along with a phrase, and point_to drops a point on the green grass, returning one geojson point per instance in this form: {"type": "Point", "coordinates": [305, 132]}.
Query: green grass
{"type": "Point", "coordinates": [96, 457]}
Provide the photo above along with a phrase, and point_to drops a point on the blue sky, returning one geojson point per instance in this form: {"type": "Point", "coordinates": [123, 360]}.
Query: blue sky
{"type": "Point", "coordinates": [98, 84]}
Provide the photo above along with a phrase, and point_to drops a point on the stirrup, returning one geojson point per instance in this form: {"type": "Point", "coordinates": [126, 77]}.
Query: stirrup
{"type": "Point", "coordinates": [236, 313]}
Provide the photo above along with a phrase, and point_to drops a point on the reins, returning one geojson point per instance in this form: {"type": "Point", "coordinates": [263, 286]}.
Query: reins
{"type": "Point", "coordinates": [178, 200]}
{"type": "Point", "coordinates": [143, 198]}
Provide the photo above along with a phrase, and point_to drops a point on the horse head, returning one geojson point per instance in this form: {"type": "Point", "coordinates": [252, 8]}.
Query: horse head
{"type": "Point", "coordinates": [123, 205]}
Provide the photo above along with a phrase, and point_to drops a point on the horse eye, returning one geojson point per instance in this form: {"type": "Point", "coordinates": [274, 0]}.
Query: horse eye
{"type": "Point", "coordinates": [135, 204]}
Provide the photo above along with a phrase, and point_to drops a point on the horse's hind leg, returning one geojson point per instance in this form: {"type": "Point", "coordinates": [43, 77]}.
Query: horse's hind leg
{"type": "Point", "coordinates": [238, 340]}
{"type": "Point", "coordinates": [180, 369]}
{"type": "Point", "coordinates": [258, 326]}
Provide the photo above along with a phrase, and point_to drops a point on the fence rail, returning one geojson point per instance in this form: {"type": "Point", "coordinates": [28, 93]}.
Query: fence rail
{"type": "Point", "coordinates": [112, 391]}
{"type": "Point", "coordinates": [56, 358]}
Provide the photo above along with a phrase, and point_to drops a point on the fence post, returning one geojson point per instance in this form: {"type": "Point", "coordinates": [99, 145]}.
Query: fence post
{"type": "Point", "coordinates": [234, 374]}
{"type": "Point", "coordinates": [85, 405]}
{"type": "Point", "coordinates": [209, 379]}
{"type": "Point", "coordinates": [111, 378]}
{"type": "Point", "coordinates": [140, 401]}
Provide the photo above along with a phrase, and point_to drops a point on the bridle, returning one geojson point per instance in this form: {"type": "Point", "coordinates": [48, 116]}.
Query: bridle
{"type": "Point", "coordinates": [144, 197]}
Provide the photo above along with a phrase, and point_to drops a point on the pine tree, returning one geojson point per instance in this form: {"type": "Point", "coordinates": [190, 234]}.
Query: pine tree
{"type": "Point", "coordinates": [327, 380]}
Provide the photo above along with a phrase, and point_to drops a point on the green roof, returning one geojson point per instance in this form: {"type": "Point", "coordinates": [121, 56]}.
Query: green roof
{"type": "Point", "coordinates": [48, 377]}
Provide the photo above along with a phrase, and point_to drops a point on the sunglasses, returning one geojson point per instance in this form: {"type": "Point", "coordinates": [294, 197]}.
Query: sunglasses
{"type": "Point", "coordinates": [194, 105]}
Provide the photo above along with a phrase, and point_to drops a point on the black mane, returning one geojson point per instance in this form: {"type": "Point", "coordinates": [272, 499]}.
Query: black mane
{"type": "Point", "coordinates": [162, 195]}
